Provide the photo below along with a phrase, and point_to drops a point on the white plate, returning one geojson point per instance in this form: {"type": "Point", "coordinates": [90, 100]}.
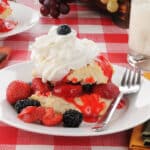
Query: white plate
{"type": "Point", "coordinates": [124, 119]}
{"type": "Point", "coordinates": [25, 16]}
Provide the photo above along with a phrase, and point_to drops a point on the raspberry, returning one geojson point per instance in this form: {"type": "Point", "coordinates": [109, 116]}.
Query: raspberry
{"type": "Point", "coordinates": [109, 90]}
{"type": "Point", "coordinates": [17, 90]}
{"type": "Point", "coordinates": [38, 85]}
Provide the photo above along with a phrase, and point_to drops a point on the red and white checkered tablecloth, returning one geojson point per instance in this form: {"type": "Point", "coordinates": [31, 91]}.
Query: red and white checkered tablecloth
{"type": "Point", "coordinates": [112, 41]}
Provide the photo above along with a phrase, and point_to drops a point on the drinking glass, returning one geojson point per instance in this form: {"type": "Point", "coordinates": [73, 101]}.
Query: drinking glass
{"type": "Point", "coordinates": [139, 34]}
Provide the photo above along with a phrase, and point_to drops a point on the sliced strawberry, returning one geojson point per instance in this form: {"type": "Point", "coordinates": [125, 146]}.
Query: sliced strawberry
{"type": "Point", "coordinates": [46, 116]}
{"type": "Point", "coordinates": [50, 120]}
{"type": "Point", "coordinates": [39, 112]}
{"type": "Point", "coordinates": [108, 91]}
{"type": "Point", "coordinates": [67, 90]}
{"type": "Point", "coordinates": [38, 85]}
{"type": "Point", "coordinates": [17, 90]}
{"type": "Point", "coordinates": [3, 5]}
{"type": "Point", "coordinates": [49, 111]}
{"type": "Point", "coordinates": [28, 114]}
{"type": "Point", "coordinates": [7, 25]}
{"type": "Point", "coordinates": [56, 119]}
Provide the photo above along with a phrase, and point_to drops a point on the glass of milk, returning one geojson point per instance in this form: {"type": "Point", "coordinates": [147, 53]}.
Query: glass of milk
{"type": "Point", "coordinates": [139, 34]}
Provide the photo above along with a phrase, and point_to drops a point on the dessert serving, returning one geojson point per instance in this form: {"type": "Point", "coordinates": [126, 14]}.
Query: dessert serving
{"type": "Point", "coordinates": [5, 11]}
{"type": "Point", "coordinates": [71, 81]}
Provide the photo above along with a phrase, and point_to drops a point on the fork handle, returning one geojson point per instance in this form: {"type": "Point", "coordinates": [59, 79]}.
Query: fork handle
{"type": "Point", "coordinates": [102, 126]}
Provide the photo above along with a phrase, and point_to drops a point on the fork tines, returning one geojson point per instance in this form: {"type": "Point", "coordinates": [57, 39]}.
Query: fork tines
{"type": "Point", "coordinates": [131, 77]}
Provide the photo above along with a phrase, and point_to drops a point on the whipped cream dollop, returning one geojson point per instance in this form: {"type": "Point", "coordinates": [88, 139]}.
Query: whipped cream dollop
{"type": "Point", "coordinates": [54, 55]}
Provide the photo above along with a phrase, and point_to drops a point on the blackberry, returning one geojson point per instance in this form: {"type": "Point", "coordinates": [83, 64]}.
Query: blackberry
{"type": "Point", "coordinates": [50, 85]}
{"type": "Point", "coordinates": [87, 88]}
{"type": "Point", "coordinates": [63, 29]}
{"type": "Point", "coordinates": [24, 103]}
{"type": "Point", "coordinates": [72, 118]}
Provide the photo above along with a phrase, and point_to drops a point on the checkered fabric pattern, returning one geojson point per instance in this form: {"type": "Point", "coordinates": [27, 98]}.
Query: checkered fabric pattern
{"type": "Point", "coordinates": [112, 41]}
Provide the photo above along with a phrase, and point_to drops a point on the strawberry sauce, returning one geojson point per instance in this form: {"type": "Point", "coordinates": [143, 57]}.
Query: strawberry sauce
{"type": "Point", "coordinates": [121, 104]}
{"type": "Point", "coordinates": [106, 66]}
{"type": "Point", "coordinates": [1, 9]}
{"type": "Point", "coordinates": [90, 106]}
{"type": "Point", "coordinates": [7, 25]}
{"type": "Point", "coordinates": [3, 5]}
{"type": "Point", "coordinates": [89, 103]}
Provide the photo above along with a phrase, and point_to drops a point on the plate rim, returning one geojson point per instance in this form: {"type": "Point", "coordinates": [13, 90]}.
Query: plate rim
{"type": "Point", "coordinates": [26, 127]}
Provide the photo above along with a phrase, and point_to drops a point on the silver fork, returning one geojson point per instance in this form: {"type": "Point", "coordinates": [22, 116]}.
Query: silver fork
{"type": "Point", "coordinates": [130, 83]}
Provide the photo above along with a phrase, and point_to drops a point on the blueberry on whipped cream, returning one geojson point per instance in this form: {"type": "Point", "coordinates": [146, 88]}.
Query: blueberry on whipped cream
{"type": "Point", "coordinates": [63, 29]}
{"type": "Point", "coordinates": [54, 55]}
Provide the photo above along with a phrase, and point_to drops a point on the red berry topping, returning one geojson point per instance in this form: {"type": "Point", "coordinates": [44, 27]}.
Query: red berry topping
{"type": "Point", "coordinates": [109, 90]}
{"type": "Point", "coordinates": [32, 114]}
{"type": "Point", "coordinates": [46, 116]}
{"type": "Point", "coordinates": [89, 80]}
{"type": "Point", "coordinates": [38, 85]}
{"type": "Point", "coordinates": [67, 90]}
{"type": "Point", "coordinates": [121, 104]}
{"type": "Point", "coordinates": [17, 90]}
{"type": "Point", "coordinates": [91, 107]}
{"type": "Point", "coordinates": [106, 66]}
{"type": "Point", "coordinates": [7, 25]}
{"type": "Point", "coordinates": [3, 5]}
{"type": "Point", "coordinates": [28, 114]}
{"type": "Point", "coordinates": [51, 118]}
{"type": "Point", "coordinates": [40, 111]}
